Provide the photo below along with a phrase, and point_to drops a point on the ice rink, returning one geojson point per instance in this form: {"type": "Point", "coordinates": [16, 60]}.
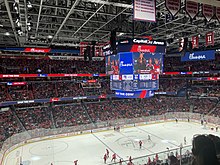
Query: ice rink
{"type": "Point", "coordinates": [89, 149]}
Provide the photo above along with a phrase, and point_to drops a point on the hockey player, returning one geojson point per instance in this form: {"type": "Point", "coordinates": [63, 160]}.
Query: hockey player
{"type": "Point", "coordinates": [156, 157]}
{"type": "Point", "coordinates": [149, 161]}
{"type": "Point", "coordinates": [140, 144]}
{"type": "Point", "coordinates": [149, 139]}
{"type": "Point", "coordinates": [113, 157]}
{"type": "Point", "coordinates": [75, 162]}
{"type": "Point", "coordinates": [184, 140]}
{"type": "Point", "coordinates": [120, 162]}
{"type": "Point", "coordinates": [130, 159]}
{"type": "Point", "coordinates": [105, 158]}
{"type": "Point", "coordinates": [107, 153]}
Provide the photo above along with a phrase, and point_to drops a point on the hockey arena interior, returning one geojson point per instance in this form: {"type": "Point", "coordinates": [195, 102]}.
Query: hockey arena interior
{"type": "Point", "coordinates": [117, 82]}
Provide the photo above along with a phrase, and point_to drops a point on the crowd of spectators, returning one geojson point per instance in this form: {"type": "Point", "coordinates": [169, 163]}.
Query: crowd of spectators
{"type": "Point", "coordinates": [18, 66]}
{"type": "Point", "coordinates": [70, 115]}
{"type": "Point", "coordinates": [35, 118]}
{"type": "Point", "coordinates": [8, 125]}
{"type": "Point", "coordinates": [171, 85]}
{"type": "Point", "coordinates": [71, 66]}
{"type": "Point", "coordinates": [175, 64]}
{"type": "Point", "coordinates": [67, 88]}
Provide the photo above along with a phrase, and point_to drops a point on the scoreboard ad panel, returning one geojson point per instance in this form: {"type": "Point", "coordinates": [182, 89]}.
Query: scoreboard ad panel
{"type": "Point", "coordinates": [135, 82]}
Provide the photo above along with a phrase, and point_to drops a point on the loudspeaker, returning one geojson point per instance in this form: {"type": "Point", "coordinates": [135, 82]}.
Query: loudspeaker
{"type": "Point", "coordinates": [93, 43]}
{"type": "Point", "coordinates": [85, 55]}
{"type": "Point", "coordinates": [185, 43]}
{"type": "Point", "coordinates": [113, 40]}
{"type": "Point", "coordinates": [88, 52]}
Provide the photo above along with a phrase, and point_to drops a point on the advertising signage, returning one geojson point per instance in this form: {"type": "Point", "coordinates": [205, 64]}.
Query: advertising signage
{"type": "Point", "coordinates": [141, 45]}
{"type": "Point", "coordinates": [198, 56]}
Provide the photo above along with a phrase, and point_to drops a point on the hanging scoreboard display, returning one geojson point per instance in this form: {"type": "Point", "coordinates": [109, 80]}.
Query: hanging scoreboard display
{"type": "Point", "coordinates": [134, 72]}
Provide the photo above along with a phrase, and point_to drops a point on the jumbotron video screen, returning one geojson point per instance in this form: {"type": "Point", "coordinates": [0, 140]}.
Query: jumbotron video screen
{"type": "Point", "coordinates": [135, 68]}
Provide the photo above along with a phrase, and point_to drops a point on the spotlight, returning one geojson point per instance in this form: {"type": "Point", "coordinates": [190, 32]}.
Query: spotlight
{"type": "Point", "coordinates": [29, 28]}
{"type": "Point", "coordinates": [29, 5]}
{"type": "Point", "coordinates": [7, 34]}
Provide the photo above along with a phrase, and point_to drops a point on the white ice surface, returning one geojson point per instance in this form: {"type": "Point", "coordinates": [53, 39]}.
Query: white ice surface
{"type": "Point", "coordinates": [89, 149]}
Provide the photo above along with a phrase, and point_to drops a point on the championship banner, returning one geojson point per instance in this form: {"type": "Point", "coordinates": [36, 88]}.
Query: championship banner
{"type": "Point", "coordinates": [209, 38]}
{"type": "Point", "coordinates": [208, 11]}
{"type": "Point", "coordinates": [192, 8]}
{"type": "Point", "coordinates": [218, 13]}
{"type": "Point", "coordinates": [195, 41]}
{"type": "Point", "coordinates": [173, 6]}
{"type": "Point", "coordinates": [145, 10]}
{"type": "Point", "coordinates": [181, 44]}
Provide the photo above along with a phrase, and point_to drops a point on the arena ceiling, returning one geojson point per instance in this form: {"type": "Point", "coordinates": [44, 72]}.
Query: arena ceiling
{"type": "Point", "coordinates": [67, 22]}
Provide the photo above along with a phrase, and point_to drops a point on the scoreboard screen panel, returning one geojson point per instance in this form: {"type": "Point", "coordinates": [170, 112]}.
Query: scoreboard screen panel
{"type": "Point", "coordinates": [135, 82]}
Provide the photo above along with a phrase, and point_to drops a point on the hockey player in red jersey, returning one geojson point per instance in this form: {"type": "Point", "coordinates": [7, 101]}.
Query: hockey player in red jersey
{"type": "Point", "coordinates": [75, 162]}
{"type": "Point", "coordinates": [105, 158]}
{"type": "Point", "coordinates": [149, 161]}
{"type": "Point", "coordinates": [113, 157]}
{"type": "Point", "coordinates": [156, 157]}
{"type": "Point", "coordinates": [130, 163]}
{"type": "Point", "coordinates": [107, 153]}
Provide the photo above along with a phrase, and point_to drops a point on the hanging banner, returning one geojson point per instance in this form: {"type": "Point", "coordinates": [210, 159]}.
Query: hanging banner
{"type": "Point", "coordinates": [145, 10]}
{"type": "Point", "coordinates": [209, 38]}
{"type": "Point", "coordinates": [217, 11]}
{"type": "Point", "coordinates": [208, 11]}
{"type": "Point", "coordinates": [192, 8]}
{"type": "Point", "coordinates": [173, 6]}
{"type": "Point", "coordinates": [195, 42]}
{"type": "Point", "coordinates": [83, 46]}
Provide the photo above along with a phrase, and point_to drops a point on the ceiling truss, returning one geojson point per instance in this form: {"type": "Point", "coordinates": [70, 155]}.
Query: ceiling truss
{"type": "Point", "coordinates": [72, 21]}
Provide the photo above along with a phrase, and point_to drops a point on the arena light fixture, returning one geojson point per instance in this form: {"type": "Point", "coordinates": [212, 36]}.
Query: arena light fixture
{"type": "Point", "coordinates": [29, 5]}
{"type": "Point", "coordinates": [7, 33]}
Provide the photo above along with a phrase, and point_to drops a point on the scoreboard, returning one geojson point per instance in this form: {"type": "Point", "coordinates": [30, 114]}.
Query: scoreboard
{"type": "Point", "coordinates": [134, 71]}
{"type": "Point", "coordinates": [135, 82]}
